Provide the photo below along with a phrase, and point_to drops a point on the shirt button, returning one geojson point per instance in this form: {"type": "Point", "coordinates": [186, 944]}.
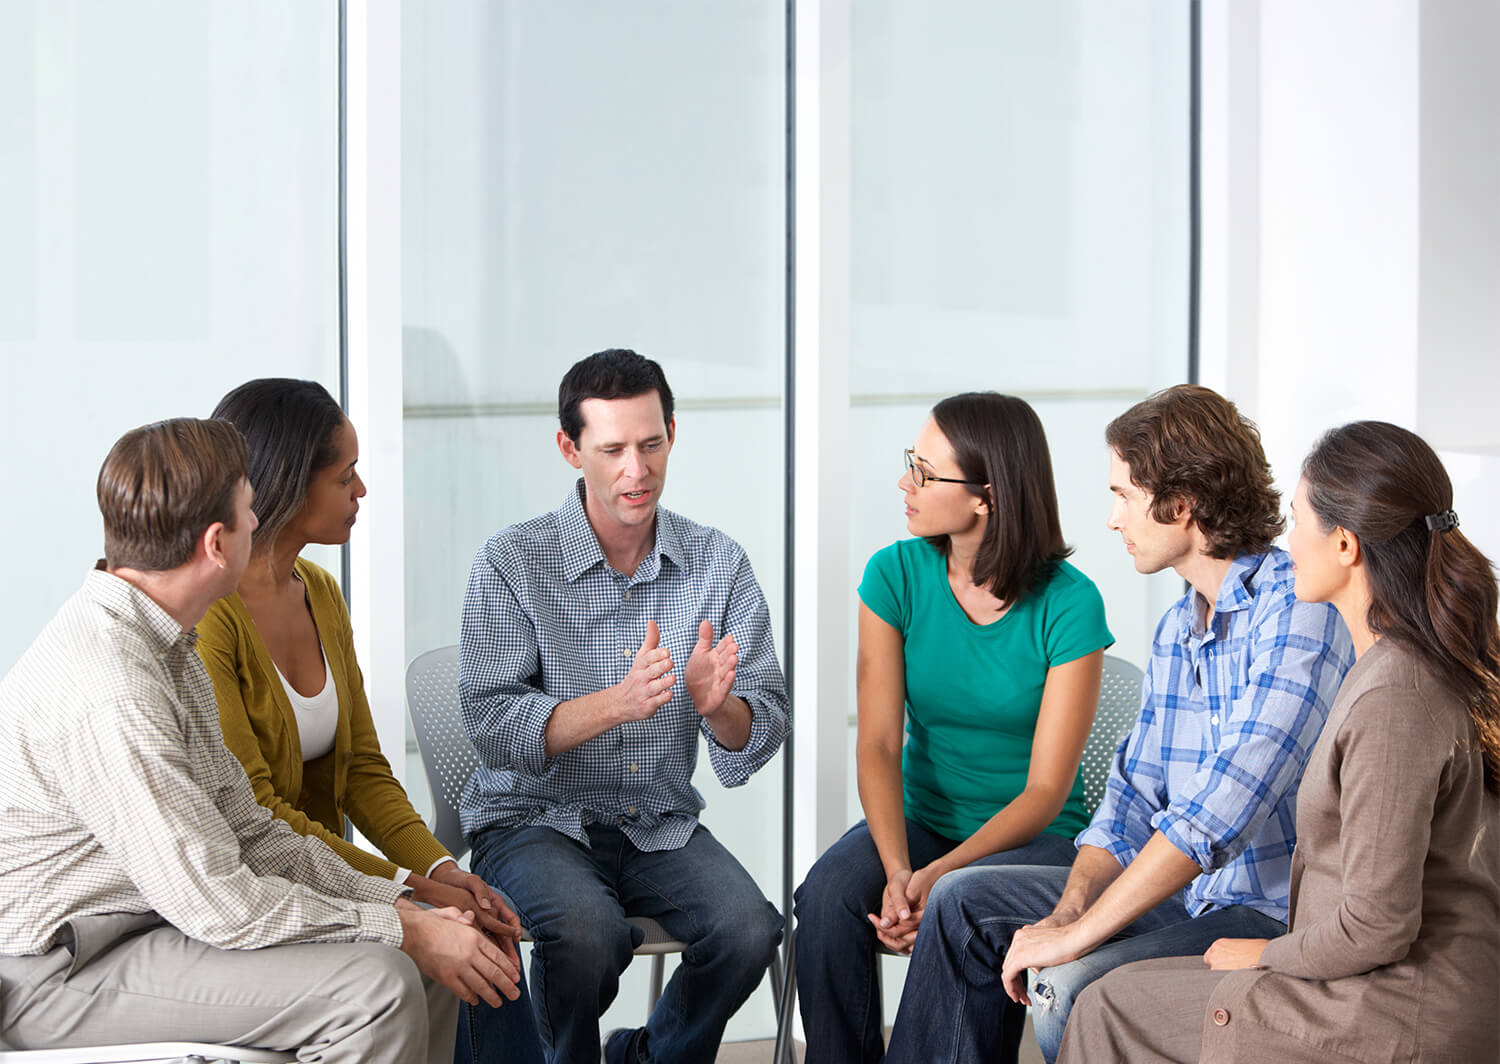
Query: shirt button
{"type": "Point", "coordinates": [630, 809]}
{"type": "Point", "coordinates": [1214, 720]}
{"type": "Point", "coordinates": [634, 767]}
{"type": "Point", "coordinates": [627, 596]}
{"type": "Point", "coordinates": [625, 653]}
{"type": "Point", "coordinates": [1221, 1017]}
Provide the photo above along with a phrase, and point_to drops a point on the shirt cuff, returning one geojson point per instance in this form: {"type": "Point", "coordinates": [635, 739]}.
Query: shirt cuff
{"type": "Point", "coordinates": [1181, 833]}
{"type": "Point", "coordinates": [1117, 847]}
{"type": "Point", "coordinates": [529, 750]}
{"type": "Point", "coordinates": [380, 923]}
{"type": "Point", "coordinates": [378, 889]}
{"type": "Point", "coordinates": [401, 874]}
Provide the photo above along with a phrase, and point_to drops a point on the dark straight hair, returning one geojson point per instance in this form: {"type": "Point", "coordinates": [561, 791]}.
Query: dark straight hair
{"type": "Point", "coordinates": [289, 426]}
{"type": "Point", "coordinates": [1431, 590]}
{"type": "Point", "coordinates": [617, 373]}
{"type": "Point", "coordinates": [998, 441]}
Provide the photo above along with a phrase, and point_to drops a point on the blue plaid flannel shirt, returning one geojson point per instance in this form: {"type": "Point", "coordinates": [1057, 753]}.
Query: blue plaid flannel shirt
{"type": "Point", "coordinates": [1229, 715]}
{"type": "Point", "coordinates": [546, 620]}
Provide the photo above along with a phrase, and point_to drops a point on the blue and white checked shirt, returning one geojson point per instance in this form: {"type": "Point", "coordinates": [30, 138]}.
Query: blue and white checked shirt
{"type": "Point", "coordinates": [547, 620]}
{"type": "Point", "coordinates": [1229, 715]}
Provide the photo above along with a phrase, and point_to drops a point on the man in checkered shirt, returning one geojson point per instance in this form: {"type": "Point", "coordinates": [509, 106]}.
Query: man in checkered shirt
{"type": "Point", "coordinates": [145, 895]}
{"type": "Point", "coordinates": [599, 642]}
{"type": "Point", "coordinates": [1192, 843]}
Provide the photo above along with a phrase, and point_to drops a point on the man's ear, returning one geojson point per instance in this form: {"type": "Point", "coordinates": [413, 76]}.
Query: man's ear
{"type": "Point", "coordinates": [671, 432]}
{"type": "Point", "coordinates": [569, 449]}
{"type": "Point", "coordinates": [211, 543]}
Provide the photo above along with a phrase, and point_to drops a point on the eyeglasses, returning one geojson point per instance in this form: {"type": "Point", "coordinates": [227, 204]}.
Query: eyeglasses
{"type": "Point", "coordinates": [919, 476]}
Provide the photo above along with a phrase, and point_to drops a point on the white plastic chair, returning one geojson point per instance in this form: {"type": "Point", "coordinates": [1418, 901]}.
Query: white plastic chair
{"type": "Point", "coordinates": [1119, 705]}
{"type": "Point", "coordinates": [449, 759]}
{"type": "Point", "coordinates": [144, 1052]}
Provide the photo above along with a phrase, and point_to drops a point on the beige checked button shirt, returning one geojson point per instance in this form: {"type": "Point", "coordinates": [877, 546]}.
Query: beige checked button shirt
{"type": "Point", "coordinates": [118, 796]}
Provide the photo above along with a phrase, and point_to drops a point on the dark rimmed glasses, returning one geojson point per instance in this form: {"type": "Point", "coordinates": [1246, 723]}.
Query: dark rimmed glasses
{"type": "Point", "coordinates": [919, 476]}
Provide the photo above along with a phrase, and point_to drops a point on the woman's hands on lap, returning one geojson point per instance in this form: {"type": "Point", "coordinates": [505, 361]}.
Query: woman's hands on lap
{"type": "Point", "coordinates": [1228, 954]}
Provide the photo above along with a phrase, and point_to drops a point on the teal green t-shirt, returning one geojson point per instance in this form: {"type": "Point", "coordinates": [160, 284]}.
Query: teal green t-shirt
{"type": "Point", "coordinates": [973, 691]}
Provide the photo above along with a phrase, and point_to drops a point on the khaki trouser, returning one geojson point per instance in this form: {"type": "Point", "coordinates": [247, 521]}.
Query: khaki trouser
{"type": "Point", "coordinates": [326, 1002]}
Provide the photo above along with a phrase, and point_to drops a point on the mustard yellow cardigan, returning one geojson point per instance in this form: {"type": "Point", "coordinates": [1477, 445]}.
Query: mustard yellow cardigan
{"type": "Point", "coordinates": [260, 728]}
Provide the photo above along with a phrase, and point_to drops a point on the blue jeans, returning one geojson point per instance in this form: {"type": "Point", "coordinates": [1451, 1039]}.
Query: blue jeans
{"type": "Point", "coordinates": [487, 1035]}
{"type": "Point", "coordinates": [952, 1008]}
{"type": "Point", "coordinates": [837, 952]}
{"type": "Point", "coordinates": [573, 900]}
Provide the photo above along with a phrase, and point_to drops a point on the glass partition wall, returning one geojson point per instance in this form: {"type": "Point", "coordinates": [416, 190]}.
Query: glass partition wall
{"type": "Point", "coordinates": [169, 204]}
{"type": "Point", "coordinates": [1020, 216]}
{"type": "Point", "coordinates": [576, 177]}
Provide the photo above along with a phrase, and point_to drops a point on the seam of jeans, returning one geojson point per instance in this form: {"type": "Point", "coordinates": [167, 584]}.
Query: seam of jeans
{"type": "Point", "coordinates": [963, 997]}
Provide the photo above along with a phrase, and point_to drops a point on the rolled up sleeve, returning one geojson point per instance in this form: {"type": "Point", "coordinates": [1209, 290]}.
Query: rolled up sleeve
{"type": "Point", "coordinates": [499, 666]}
{"type": "Point", "coordinates": [758, 680]}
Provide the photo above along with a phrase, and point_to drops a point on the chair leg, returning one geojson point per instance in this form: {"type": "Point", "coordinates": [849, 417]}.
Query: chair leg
{"type": "Point", "coordinates": [658, 971]}
{"type": "Point", "coordinates": [786, 1003]}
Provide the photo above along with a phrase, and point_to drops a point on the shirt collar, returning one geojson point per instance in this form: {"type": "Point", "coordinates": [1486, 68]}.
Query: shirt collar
{"type": "Point", "coordinates": [123, 600]}
{"type": "Point", "coordinates": [580, 546]}
{"type": "Point", "coordinates": [1235, 594]}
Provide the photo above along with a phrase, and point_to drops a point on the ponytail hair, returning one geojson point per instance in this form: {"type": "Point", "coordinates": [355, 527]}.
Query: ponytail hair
{"type": "Point", "coordinates": [1431, 590]}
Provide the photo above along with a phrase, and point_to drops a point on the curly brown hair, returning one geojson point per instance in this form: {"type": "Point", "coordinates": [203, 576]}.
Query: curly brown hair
{"type": "Point", "coordinates": [1190, 447]}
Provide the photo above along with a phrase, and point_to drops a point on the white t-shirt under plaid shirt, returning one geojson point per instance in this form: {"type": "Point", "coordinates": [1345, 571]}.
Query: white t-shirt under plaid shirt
{"type": "Point", "coordinates": [546, 619]}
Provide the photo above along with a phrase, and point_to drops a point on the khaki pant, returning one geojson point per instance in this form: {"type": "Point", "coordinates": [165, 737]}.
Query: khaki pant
{"type": "Point", "coordinates": [326, 1002]}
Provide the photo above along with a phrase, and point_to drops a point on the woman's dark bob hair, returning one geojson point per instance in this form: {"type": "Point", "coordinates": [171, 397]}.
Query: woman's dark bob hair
{"type": "Point", "coordinates": [289, 426]}
{"type": "Point", "coordinates": [999, 443]}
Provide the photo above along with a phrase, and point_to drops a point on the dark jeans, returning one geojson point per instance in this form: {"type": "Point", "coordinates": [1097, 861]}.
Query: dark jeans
{"type": "Point", "coordinates": [488, 1036]}
{"type": "Point", "coordinates": [951, 1011]}
{"type": "Point", "coordinates": [837, 951]}
{"type": "Point", "coordinates": [573, 900]}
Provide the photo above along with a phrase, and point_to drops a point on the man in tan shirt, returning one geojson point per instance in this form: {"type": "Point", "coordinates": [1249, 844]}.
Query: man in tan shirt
{"type": "Point", "coordinates": [144, 894]}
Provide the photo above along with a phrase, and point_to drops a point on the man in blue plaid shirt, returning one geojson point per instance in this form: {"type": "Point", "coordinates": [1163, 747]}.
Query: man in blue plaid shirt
{"type": "Point", "coordinates": [1194, 838]}
{"type": "Point", "coordinates": [599, 641]}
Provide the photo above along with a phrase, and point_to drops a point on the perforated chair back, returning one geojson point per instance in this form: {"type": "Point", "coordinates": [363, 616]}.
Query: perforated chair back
{"type": "Point", "coordinates": [447, 756]}
{"type": "Point", "coordinates": [1119, 706]}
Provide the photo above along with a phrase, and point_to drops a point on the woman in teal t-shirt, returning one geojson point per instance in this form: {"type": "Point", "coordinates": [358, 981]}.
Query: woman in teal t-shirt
{"type": "Point", "coordinates": [988, 646]}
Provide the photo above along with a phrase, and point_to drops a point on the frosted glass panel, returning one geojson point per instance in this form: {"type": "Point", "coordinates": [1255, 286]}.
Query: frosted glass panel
{"type": "Point", "coordinates": [168, 229]}
{"type": "Point", "coordinates": [1020, 223]}
{"type": "Point", "coordinates": [579, 176]}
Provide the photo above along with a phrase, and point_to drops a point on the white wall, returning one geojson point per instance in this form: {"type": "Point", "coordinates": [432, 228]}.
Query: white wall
{"type": "Point", "coordinates": [1361, 139]}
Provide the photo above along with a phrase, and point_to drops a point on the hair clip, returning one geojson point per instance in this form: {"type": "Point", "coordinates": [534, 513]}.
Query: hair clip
{"type": "Point", "coordinates": [1442, 522]}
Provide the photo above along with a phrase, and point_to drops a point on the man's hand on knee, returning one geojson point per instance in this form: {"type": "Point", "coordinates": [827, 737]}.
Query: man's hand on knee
{"type": "Point", "coordinates": [447, 947]}
{"type": "Point", "coordinates": [450, 885]}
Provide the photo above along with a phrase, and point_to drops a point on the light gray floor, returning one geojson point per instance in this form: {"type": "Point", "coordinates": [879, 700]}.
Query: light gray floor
{"type": "Point", "coordinates": [760, 1052]}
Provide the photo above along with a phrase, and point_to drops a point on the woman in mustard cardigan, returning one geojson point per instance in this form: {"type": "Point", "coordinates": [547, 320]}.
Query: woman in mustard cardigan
{"type": "Point", "coordinates": [280, 652]}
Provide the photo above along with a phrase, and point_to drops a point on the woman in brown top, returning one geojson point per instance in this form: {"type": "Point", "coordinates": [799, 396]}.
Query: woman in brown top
{"type": "Point", "coordinates": [1393, 952]}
